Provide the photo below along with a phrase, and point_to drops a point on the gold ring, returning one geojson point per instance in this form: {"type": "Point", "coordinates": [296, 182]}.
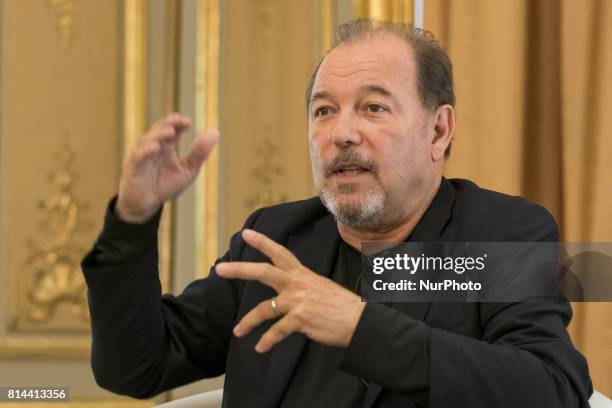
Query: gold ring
{"type": "Point", "coordinates": [275, 307]}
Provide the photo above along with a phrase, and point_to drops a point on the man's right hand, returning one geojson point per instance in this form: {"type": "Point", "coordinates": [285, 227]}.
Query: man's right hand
{"type": "Point", "coordinates": [153, 172]}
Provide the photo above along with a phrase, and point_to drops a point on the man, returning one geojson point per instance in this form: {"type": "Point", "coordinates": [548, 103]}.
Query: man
{"type": "Point", "coordinates": [278, 313]}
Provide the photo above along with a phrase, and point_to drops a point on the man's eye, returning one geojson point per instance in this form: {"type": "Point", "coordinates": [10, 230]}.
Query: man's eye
{"type": "Point", "coordinates": [321, 112]}
{"type": "Point", "coordinates": [374, 107]}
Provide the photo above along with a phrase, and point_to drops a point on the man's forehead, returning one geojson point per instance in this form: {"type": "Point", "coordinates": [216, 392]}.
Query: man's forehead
{"type": "Point", "coordinates": [380, 59]}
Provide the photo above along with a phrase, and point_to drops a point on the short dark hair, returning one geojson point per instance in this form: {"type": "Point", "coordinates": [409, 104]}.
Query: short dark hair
{"type": "Point", "coordinates": [435, 85]}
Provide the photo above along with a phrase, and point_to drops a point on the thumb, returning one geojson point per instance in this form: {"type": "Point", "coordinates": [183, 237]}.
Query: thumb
{"type": "Point", "coordinates": [201, 148]}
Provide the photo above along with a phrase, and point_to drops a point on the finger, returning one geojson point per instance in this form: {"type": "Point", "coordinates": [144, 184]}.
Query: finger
{"type": "Point", "coordinates": [168, 128]}
{"type": "Point", "coordinates": [259, 314]}
{"type": "Point", "coordinates": [176, 120]}
{"type": "Point", "coordinates": [277, 333]}
{"type": "Point", "coordinates": [259, 271]}
{"type": "Point", "coordinates": [146, 151]}
{"type": "Point", "coordinates": [280, 256]}
{"type": "Point", "coordinates": [201, 148]}
{"type": "Point", "coordinates": [162, 134]}
{"type": "Point", "coordinates": [167, 132]}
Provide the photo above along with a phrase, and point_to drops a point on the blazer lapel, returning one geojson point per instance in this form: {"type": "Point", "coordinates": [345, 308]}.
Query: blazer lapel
{"type": "Point", "coordinates": [428, 229]}
{"type": "Point", "coordinates": [316, 248]}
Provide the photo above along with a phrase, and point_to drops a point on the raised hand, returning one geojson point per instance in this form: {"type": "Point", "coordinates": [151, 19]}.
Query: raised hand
{"type": "Point", "coordinates": [307, 302]}
{"type": "Point", "coordinates": [152, 172]}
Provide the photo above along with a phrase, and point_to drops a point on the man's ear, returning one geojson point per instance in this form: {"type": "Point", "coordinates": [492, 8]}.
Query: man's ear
{"type": "Point", "coordinates": [444, 127]}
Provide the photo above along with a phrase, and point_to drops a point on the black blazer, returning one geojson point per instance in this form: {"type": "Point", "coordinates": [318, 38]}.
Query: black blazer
{"type": "Point", "coordinates": [480, 354]}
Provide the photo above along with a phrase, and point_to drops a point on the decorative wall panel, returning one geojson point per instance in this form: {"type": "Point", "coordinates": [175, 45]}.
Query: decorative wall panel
{"type": "Point", "coordinates": [61, 148]}
{"type": "Point", "coordinates": [73, 98]}
{"type": "Point", "coordinates": [269, 49]}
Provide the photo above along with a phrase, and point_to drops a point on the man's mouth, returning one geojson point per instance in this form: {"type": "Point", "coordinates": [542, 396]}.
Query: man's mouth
{"type": "Point", "coordinates": [350, 170]}
{"type": "Point", "coordinates": [349, 163]}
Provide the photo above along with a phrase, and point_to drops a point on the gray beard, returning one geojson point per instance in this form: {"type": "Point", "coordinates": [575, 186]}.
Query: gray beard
{"type": "Point", "coordinates": [363, 215]}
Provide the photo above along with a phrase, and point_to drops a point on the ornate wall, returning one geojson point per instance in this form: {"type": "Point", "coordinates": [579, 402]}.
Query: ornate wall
{"type": "Point", "coordinates": [80, 82]}
{"type": "Point", "coordinates": [73, 96]}
{"type": "Point", "coordinates": [267, 59]}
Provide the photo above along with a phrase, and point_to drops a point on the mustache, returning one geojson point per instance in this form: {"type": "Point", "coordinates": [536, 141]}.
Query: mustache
{"type": "Point", "coordinates": [346, 158]}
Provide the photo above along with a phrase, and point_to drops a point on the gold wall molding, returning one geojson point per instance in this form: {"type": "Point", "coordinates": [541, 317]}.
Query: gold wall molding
{"type": "Point", "coordinates": [170, 102]}
{"type": "Point", "coordinates": [389, 10]}
{"type": "Point", "coordinates": [135, 72]}
{"type": "Point", "coordinates": [327, 17]}
{"type": "Point", "coordinates": [207, 105]}
{"type": "Point", "coordinates": [171, 51]}
{"type": "Point", "coordinates": [134, 115]}
{"type": "Point", "coordinates": [65, 22]}
{"type": "Point", "coordinates": [53, 265]}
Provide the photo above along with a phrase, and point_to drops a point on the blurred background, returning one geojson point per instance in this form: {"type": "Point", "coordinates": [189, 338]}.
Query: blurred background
{"type": "Point", "coordinates": [81, 80]}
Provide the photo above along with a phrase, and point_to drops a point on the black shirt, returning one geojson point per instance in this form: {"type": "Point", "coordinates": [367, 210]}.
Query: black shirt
{"type": "Point", "coordinates": [318, 380]}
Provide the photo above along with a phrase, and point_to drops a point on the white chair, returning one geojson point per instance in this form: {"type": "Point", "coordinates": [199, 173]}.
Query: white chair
{"type": "Point", "coordinates": [598, 400]}
{"type": "Point", "coordinates": [210, 399]}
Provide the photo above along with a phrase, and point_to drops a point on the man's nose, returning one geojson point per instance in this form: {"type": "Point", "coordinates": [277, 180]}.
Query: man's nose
{"type": "Point", "coordinates": [346, 130]}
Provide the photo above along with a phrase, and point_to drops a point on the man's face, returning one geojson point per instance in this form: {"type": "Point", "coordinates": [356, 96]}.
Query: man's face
{"type": "Point", "coordinates": [369, 134]}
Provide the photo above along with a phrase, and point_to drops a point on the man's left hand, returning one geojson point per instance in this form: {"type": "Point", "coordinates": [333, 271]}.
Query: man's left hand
{"type": "Point", "coordinates": [307, 302]}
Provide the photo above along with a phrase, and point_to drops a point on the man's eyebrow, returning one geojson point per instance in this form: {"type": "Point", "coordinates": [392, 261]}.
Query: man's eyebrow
{"type": "Point", "coordinates": [318, 95]}
{"type": "Point", "coordinates": [377, 89]}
